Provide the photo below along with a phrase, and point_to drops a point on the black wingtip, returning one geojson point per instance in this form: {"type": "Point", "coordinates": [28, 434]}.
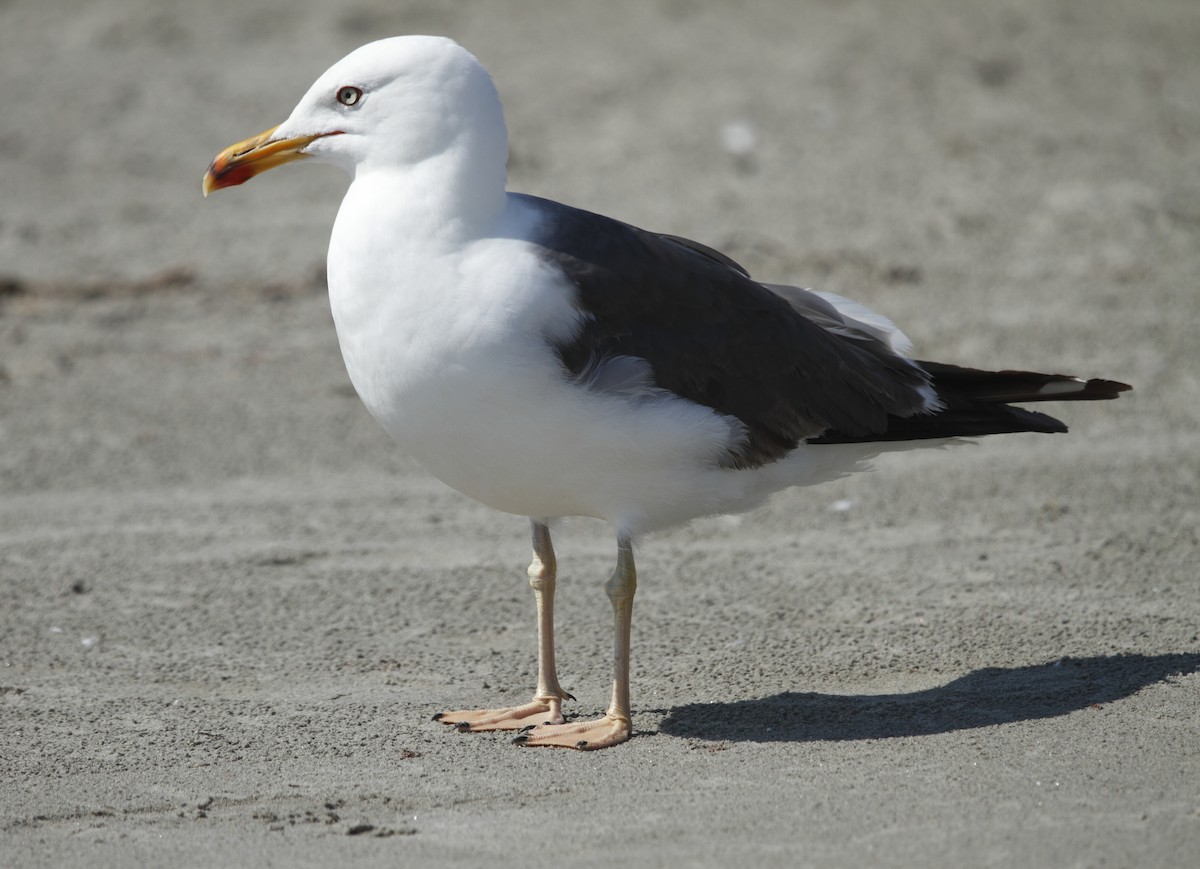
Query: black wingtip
{"type": "Point", "coordinates": [977, 403]}
{"type": "Point", "coordinates": [1104, 389]}
{"type": "Point", "coordinates": [1015, 386]}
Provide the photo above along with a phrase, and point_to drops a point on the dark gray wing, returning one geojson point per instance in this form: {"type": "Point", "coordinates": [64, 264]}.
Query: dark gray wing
{"type": "Point", "coordinates": [715, 337]}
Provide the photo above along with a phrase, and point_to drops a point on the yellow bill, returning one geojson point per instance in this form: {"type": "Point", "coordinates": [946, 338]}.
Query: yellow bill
{"type": "Point", "coordinates": [238, 163]}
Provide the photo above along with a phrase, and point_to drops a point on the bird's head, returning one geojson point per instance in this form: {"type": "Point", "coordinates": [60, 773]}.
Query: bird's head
{"type": "Point", "coordinates": [389, 104]}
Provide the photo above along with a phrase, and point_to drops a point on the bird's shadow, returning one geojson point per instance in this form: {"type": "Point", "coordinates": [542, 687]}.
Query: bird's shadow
{"type": "Point", "coordinates": [993, 695]}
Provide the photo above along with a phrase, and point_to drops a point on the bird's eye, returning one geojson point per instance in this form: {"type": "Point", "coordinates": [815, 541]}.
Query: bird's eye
{"type": "Point", "coordinates": [349, 95]}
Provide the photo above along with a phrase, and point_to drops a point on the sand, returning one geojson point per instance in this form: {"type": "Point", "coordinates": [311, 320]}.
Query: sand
{"type": "Point", "coordinates": [229, 605]}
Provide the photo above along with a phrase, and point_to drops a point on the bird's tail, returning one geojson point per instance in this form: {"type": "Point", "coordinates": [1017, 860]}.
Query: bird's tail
{"type": "Point", "coordinates": [976, 403]}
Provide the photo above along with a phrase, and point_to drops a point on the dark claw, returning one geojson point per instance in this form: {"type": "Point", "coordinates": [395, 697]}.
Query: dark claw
{"type": "Point", "coordinates": [438, 716]}
{"type": "Point", "coordinates": [463, 726]}
{"type": "Point", "coordinates": [570, 696]}
{"type": "Point", "coordinates": [581, 743]}
{"type": "Point", "coordinates": [527, 728]}
{"type": "Point", "coordinates": [520, 740]}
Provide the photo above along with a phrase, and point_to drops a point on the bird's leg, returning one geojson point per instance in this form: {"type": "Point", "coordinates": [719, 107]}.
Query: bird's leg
{"type": "Point", "coordinates": [614, 727]}
{"type": "Point", "coordinates": [543, 573]}
{"type": "Point", "coordinates": [546, 706]}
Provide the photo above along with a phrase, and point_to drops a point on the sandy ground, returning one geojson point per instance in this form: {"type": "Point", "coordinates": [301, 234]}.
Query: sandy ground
{"type": "Point", "coordinates": [228, 605]}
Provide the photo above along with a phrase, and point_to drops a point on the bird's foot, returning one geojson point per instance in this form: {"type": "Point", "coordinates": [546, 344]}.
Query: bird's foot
{"type": "Point", "coordinates": [539, 711]}
{"type": "Point", "coordinates": [584, 735]}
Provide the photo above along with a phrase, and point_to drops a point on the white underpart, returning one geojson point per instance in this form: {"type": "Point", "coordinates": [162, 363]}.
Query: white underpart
{"type": "Point", "coordinates": [446, 318]}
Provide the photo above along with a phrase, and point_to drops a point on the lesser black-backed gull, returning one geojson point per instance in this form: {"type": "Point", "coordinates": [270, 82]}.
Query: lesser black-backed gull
{"type": "Point", "coordinates": [550, 362]}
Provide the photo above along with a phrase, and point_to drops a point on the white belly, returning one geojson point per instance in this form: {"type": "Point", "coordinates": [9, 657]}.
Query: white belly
{"type": "Point", "coordinates": [465, 379]}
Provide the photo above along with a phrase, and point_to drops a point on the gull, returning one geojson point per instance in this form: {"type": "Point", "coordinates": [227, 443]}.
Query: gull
{"type": "Point", "coordinates": [550, 362]}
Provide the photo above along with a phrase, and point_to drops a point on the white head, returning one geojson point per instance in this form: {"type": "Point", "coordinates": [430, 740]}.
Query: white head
{"type": "Point", "coordinates": [391, 104]}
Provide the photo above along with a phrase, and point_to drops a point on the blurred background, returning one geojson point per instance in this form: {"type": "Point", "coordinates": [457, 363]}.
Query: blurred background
{"type": "Point", "coordinates": [805, 135]}
{"type": "Point", "coordinates": [219, 577]}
